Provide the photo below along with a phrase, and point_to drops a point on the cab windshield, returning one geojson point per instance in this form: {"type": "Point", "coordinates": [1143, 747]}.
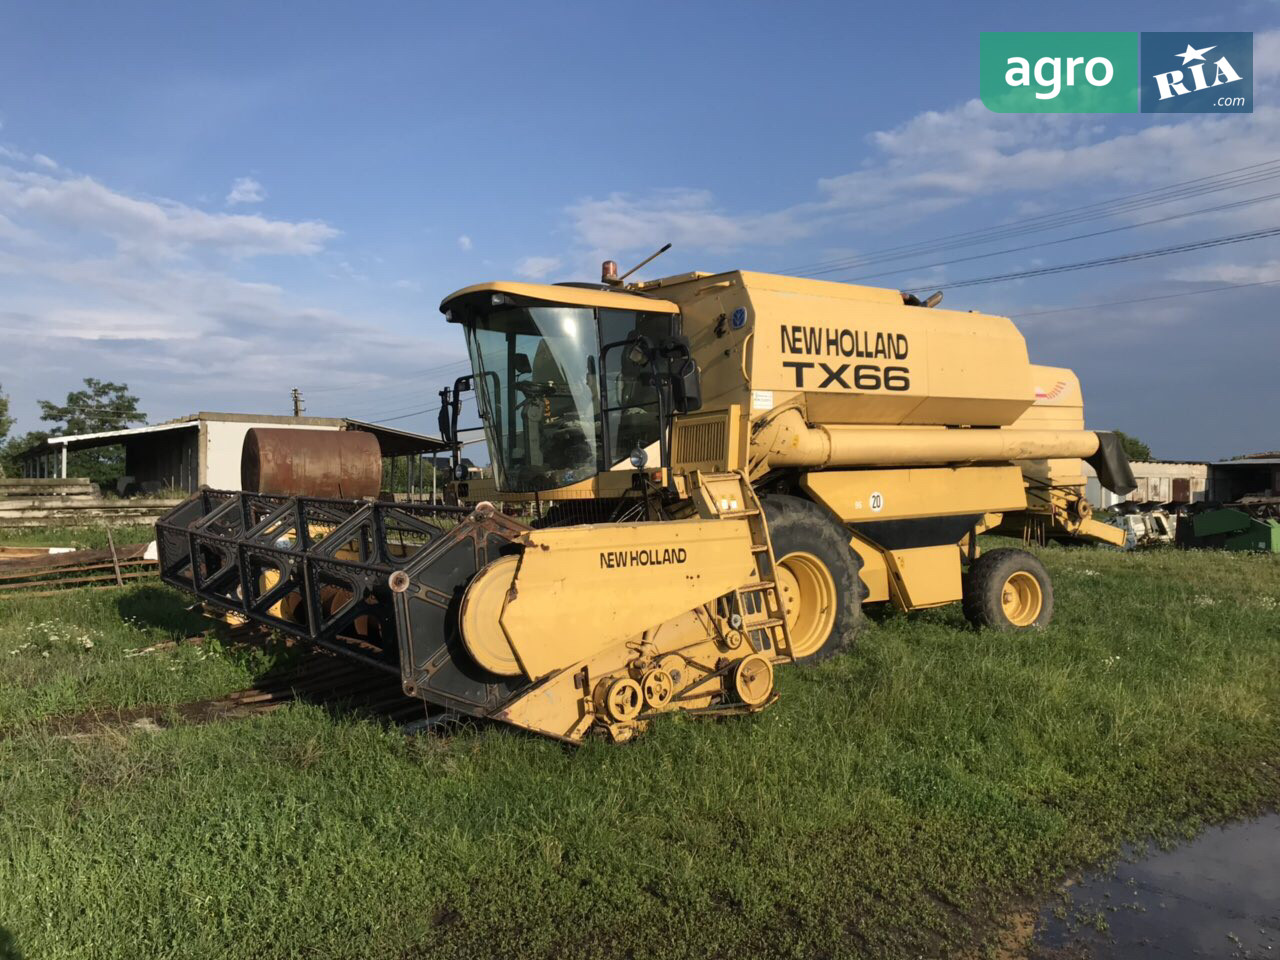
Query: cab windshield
{"type": "Point", "coordinates": [556, 409]}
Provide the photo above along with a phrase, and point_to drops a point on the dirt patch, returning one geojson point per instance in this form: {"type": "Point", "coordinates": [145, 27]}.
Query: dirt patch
{"type": "Point", "coordinates": [152, 718]}
{"type": "Point", "coordinates": [338, 684]}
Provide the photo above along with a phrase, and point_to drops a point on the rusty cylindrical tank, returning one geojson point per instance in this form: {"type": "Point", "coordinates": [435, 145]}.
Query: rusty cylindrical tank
{"type": "Point", "coordinates": [311, 463]}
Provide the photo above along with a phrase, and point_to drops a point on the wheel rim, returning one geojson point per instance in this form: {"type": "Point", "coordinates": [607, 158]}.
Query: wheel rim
{"type": "Point", "coordinates": [753, 680]}
{"type": "Point", "coordinates": [808, 601]}
{"type": "Point", "coordinates": [1021, 599]}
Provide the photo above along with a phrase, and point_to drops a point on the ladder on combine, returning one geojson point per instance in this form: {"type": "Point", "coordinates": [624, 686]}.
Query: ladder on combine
{"type": "Point", "coordinates": [760, 614]}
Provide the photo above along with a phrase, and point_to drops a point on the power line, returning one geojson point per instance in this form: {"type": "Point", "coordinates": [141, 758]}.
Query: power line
{"type": "Point", "coordinates": [406, 416]}
{"type": "Point", "coordinates": [93, 411]}
{"type": "Point", "coordinates": [1118, 258]}
{"type": "Point", "coordinates": [461, 361]}
{"type": "Point", "coordinates": [1078, 236]}
{"type": "Point", "coordinates": [407, 400]}
{"type": "Point", "coordinates": [1099, 209]}
{"type": "Point", "coordinates": [414, 399]}
{"type": "Point", "coordinates": [410, 373]}
{"type": "Point", "coordinates": [416, 413]}
{"type": "Point", "coordinates": [1163, 296]}
{"type": "Point", "coordinates": [1186, 189]}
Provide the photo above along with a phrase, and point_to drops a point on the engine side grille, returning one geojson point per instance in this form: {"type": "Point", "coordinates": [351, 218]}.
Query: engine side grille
{"type": "Point", "coordinates": [702, 444]}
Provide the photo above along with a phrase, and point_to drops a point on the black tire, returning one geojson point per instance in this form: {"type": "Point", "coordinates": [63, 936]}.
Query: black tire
{"type": "Point", "coordinates": [984, 589]}
{"type": "Point", "coordinates": [800, 526]}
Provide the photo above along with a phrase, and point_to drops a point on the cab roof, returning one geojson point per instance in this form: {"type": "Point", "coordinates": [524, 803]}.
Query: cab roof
{"type": "Point", "coordinates": [566, 295]}
{"type": "Point", "coordinates": [833, 289]}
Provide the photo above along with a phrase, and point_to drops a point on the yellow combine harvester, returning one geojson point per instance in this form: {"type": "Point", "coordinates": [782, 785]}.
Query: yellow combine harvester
{"type": "Point", "coordinates": [724, 468]}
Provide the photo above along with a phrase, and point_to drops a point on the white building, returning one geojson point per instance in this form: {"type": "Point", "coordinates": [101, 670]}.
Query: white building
{"type": "Point", "coordinates": [204, 449]}
{"type": "Point", "coordinates": [1164, 481]}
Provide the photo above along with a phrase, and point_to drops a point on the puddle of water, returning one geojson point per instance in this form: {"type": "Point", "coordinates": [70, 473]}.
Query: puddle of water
{"type": "Point", "coordinates": [1218, 896]}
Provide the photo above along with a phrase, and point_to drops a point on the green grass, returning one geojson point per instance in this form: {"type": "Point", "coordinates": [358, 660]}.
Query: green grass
{"type": "Point", "coordinates": [83, 538]}
{"type": "Point", "coordinates": [893, 803]}
{"type": "Point", "coordinates": [78, 651]}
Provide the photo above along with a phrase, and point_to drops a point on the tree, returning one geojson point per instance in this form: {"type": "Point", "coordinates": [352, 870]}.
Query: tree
{"type": "Point", "coordinates": [102, 405]}
{"type": "Point", "coordinates": [1134, 448]}
{"type": "Point", "coordinates": [11, 452]}
{"type": "Point", "coordinates": [6, 424]}
{"type": "Point", "coordinates": [99, 407]}
{"type": "Point", "coordinates": [6, 421]}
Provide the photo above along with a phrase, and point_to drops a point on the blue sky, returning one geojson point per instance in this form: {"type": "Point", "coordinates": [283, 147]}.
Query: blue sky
{"type": "Point", "coordinates": [218, 202]}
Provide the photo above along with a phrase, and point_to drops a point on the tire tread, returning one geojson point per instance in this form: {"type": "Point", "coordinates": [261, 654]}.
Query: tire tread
{"type": "Point", "coordinates": [799, 523]}
{"type": "Point", "coordinates": [980, 598]}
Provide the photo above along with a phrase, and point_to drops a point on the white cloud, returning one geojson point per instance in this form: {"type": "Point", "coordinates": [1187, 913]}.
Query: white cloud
{"type": "Point", "coordinates": [950, 157]}
{"type": "Point", "coordinates": [190, 338]}
{"type": "Point", "coordinates": [246, 190]}
{"type": "Point", "coordinates": [535, 268]}
{"type": "Point", "coordinates": [464, 242]}
{"type": "Point", "coordinates": [1266, 59]}
{"type": "Point", "coordinates": [412, 285]}
{"type": "Point", "coordinates": [86, 324]}
{"type": "Point", "coordinates": [156, 228]}
{"type": "Point", "coordinates": [145, 290]}
{"type": "Point", "coordinates": [942, 160]}
{"type": "Point", "coordinates": [686, 218]}
{"type": "Point", "coordinates": [343, 270]}
{"type": "Point", "coordinates": [1229, 273]}
{"type": "Point", "coordinates": [12, 232]}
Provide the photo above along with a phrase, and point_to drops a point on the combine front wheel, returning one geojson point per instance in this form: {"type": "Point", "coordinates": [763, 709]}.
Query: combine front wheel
{"type": "Point", "coordinates": [817, 576]}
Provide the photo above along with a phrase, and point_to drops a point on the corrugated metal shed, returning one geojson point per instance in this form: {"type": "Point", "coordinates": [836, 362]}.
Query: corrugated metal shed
{"type": "Point", "coordinates": [204, 448]}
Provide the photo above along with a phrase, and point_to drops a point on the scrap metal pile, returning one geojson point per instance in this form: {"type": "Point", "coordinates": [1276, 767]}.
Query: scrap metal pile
{"type": "Point", "coordinates": [40, 572]}
{"type": "Point", "coordinates": [1251, 524]}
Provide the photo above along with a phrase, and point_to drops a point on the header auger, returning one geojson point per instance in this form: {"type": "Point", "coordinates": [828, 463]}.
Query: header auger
{"type": "Point", "coordinates": [718, 471]}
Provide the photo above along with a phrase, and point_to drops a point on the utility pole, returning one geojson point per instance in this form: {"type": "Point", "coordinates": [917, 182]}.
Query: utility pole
{"type": "Point", "coordinates": [296, 396]}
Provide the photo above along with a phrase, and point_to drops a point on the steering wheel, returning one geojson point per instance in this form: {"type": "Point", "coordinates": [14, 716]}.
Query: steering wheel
{"type": "Point", "coordinates": [535, 390]}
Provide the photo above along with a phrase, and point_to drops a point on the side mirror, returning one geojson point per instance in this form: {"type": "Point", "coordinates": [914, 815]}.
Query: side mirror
{"type": "Point", "coordinates": [686, 387]}
{"type": "Point", "coordinates": [686, 383]}
{"type": "Point", "coordinates": [521, 364]}
{"type": "Point", "coordinates": [444, 420]}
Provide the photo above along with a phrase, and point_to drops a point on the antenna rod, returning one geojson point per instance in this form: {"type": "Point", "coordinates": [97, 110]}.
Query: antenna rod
{"type": "Point", "coordinates": [652, 256]}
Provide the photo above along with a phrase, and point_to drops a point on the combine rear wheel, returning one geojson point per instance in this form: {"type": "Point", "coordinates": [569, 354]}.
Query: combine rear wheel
{"type": "Point", "coordinates": [1008, 590]}
{"type": "Point", "coordinates": [817, 575]}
